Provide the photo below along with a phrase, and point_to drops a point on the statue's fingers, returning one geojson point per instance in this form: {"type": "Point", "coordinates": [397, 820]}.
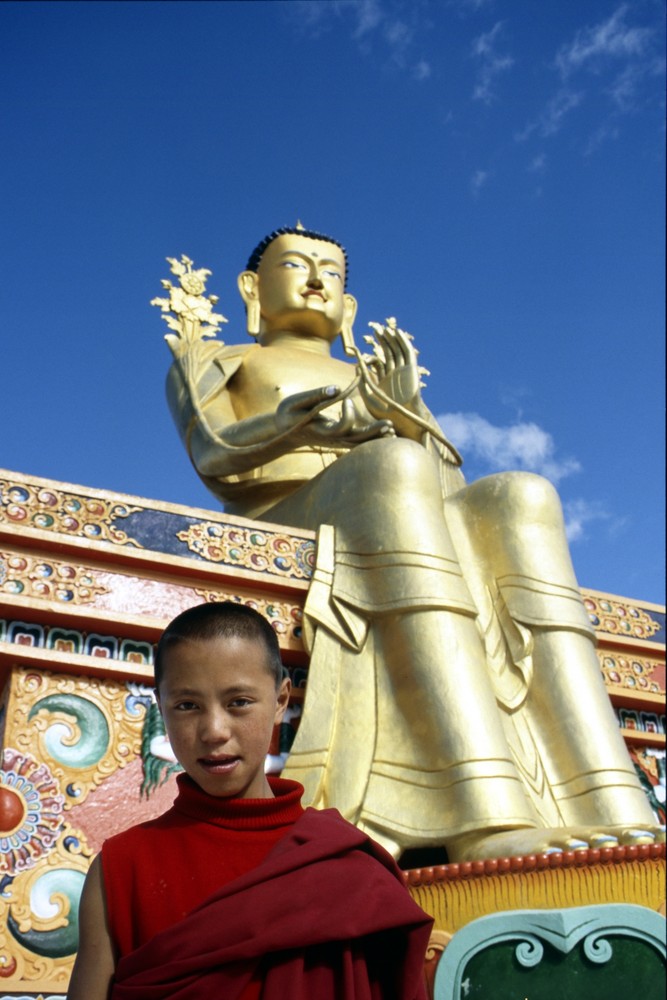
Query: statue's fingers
{"type": "Point", "coordinates": [371, 431]}
{"type": "Point", "coordinates": [336, 428]}
{"type": "Point", "coordinates": [388, 349]}
{"type": "Point", "coordinates": [400, 344]}
{"type": "Point", "coordinates": [309, 400]}
{"type": "Point", "coordinates": [404, 348]}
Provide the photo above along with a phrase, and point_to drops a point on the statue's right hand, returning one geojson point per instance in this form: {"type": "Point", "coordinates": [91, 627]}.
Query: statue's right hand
{"type": "Point", "coordinates": [301, 414]}
{"type": "Point", "coordinates": [304, 407]}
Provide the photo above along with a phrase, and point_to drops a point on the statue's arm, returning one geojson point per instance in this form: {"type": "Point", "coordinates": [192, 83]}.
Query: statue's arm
{"type": "Point", "coordinates": [220, 444]}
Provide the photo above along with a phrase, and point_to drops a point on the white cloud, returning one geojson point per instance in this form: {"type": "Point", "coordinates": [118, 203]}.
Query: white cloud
{"type": "Point", "coordinates": [609, 39]}
{"type": "Point", "coordinates": [523, 446]}
{"type": "Point", "coordinates": [464, 7]}
{"type": "Point", "coordinates": [538, 164]}
{"type": "Point", "coordinates": [387, 23]}
{"type": "Point", "coordinates": [492, 64]}
{"type": "Point", "coordinates": [600, 135]}
{"type": "Point", "coordinates": [579, 514]}
{"type": "Point", "coordinates": [551, 119]}
{"type": "Point", "coordinates": [478, 180]}
{"type": "Point", "coordinates": [368, 14]}
{"type": "Point", "coordinates": [611, 59]}
{"type": "Point", "coordinates": [422, 70]}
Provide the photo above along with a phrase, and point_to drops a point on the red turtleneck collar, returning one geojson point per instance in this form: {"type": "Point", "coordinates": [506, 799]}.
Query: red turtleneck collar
{"type": "Point", "coordinates": [283, 809]}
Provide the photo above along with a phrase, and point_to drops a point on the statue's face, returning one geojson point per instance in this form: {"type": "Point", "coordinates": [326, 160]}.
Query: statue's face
{"type": "Point", "coordinates": [301, 286]}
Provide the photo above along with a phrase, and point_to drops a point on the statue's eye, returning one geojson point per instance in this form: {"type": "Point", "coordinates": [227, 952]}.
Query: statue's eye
{"type": "Point", "coordinates": [333, 274]}
{"type": "Point", "coordinates": [293, 264]}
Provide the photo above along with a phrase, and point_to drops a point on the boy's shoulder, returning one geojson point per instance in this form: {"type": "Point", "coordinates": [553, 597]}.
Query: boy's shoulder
{"type": "Point", "coordinates": [167, 821]}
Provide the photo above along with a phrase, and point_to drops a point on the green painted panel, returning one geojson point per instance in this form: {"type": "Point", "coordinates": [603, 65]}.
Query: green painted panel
{"type": "Point", "coordinates": [635, 970]}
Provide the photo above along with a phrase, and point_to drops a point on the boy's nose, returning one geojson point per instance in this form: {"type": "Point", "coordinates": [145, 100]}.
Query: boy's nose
{"type": "Point", "coordinates": [215, 727]}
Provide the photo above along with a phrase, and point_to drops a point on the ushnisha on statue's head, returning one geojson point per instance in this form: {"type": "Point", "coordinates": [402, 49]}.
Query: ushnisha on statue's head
{"type": "Point", "coordinates": [294, 283]}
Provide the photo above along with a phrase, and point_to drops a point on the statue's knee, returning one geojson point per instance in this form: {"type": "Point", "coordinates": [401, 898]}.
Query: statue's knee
{"type": "Point", "coordinates": [515, 496]}
{"type": "Point", "coordinates": [394, 461]}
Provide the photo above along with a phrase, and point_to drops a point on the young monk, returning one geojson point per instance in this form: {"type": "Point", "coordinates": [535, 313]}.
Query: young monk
{"type": "Point", "coordinates": [237, 892]}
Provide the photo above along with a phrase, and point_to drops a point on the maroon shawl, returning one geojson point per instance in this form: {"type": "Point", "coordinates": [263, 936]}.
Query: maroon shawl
{"type": "Point", "coordinates": [324, 917]}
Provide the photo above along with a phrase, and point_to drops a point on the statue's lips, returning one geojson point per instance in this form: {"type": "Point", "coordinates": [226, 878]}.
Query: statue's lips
{"type": "Point", "coordinates": [319, 295]}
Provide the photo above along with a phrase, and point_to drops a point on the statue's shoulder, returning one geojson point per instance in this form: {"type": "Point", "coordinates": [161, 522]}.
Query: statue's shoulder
{"type": "Point", "coordinates": [204, 373]}
{"type": "Point", "coordinates": [227, 354]}
{"type": "Point", "coordinates": [225, 360]}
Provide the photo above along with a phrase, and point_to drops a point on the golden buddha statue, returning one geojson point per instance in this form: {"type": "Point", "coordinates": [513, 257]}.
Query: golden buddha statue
{"type": "Point", "coordinates": [454, 696]}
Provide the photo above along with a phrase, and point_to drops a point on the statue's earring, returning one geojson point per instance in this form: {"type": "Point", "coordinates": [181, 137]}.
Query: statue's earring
{"type": "Point", "coordinates": [347, 336]}
{"type": "Point", "coordinates": [253, 316]}
{"type": "Point", "coordinates": [346, 332]}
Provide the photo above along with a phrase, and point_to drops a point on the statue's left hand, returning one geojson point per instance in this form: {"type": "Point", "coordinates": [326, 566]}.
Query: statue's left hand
{"type": "Point", "coordinates": [393, 376]}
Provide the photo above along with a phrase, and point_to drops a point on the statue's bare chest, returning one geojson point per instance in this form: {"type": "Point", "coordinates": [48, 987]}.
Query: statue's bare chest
{"type": "Point", "coordinates": [270, 374]}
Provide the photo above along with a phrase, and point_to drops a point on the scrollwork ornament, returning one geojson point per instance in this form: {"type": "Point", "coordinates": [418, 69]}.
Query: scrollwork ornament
{"type": "Point", "coordinates": [84, 728]}
{"type": "Point", "coordinates": [597, 948]}
{"type": "Point", "coordinates": [529, 952]}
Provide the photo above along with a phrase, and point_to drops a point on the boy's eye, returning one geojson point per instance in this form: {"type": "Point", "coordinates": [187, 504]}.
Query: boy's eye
{"type": "Point", "coordinates": [185, 706]}
{"type": "Point", "coordinates": [240, 703]}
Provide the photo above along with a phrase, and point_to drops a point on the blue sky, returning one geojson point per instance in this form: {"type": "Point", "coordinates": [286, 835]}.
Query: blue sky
{"type": "Point", "coordinates": [494, 168]}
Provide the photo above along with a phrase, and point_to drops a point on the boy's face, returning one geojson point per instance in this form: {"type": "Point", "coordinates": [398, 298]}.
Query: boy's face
{"type": "Point", "coordinates": [219, 703]}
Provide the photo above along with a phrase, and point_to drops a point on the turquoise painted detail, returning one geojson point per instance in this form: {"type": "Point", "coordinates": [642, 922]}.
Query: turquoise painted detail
{"type": "Point", "coordinates": [94, 739]}
{"type": "Point", "coordinates": [607, 952]}
{"type": "Point", "coordinates": [64, 940]}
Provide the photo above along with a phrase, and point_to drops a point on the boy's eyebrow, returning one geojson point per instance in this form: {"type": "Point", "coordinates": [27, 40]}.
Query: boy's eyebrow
{"type": "Point", "coordinates": [182, 692]}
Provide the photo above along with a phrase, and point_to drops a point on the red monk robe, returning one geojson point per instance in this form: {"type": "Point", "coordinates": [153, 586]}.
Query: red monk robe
{"type": "Point", "coordinates": [324, 917]}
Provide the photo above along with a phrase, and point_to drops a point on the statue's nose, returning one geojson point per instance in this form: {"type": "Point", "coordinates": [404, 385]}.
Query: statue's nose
{"type": "Point", "coordinates": [314, 281]}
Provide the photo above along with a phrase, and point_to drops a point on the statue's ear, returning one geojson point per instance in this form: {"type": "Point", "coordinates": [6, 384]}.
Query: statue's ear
{"type": "Point", "coordinates": [248, 283]}
{"type": "Point", "coordinates": [346, 333]}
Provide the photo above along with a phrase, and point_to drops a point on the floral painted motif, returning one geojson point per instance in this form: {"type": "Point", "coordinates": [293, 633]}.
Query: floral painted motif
{"type": "Point", "coordinates": [620, 618]}
{"type": "Point", "coordinates": [250, 548]}
{"type": "Point", "coordinates": [31, 811]}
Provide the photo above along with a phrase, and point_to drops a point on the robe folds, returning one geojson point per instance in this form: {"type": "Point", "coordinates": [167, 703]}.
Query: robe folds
{"type": "Point", "coordinates": [324, 917]}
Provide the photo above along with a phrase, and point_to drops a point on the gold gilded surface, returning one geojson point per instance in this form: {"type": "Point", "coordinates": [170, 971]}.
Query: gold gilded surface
{"type": "Point", "coordinates": [454, 693]}
{"type": "Point", "coordinates": [454, 902]}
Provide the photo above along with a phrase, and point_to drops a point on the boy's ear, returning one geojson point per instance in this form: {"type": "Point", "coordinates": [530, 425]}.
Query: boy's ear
{"type": "Point", "coordinates": [282, 699]}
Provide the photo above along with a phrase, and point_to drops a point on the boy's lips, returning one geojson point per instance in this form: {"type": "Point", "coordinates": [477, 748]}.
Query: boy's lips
{"type": "Point", "coordinates": [219, 765]}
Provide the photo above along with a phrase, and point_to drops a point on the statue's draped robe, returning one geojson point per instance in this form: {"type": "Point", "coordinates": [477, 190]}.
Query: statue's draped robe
{"type": "Point", "coordinates": [453, 681]}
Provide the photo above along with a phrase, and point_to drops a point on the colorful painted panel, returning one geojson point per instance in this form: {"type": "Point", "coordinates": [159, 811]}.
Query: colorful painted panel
{"type": "Point", "coordinates": [129, 522]}
{"type": "Point", "coordinates": [617, 617]}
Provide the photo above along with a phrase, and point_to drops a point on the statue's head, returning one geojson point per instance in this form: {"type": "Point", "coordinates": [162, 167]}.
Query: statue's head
{"type": "Point", "coordinates": [295, 282]}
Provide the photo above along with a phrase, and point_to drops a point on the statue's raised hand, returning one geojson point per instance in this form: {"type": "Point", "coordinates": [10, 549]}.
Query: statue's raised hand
{"type": "Point", "coordinates": [391, 379]}
{"type": "Point", "coordinates": [300, 417]}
